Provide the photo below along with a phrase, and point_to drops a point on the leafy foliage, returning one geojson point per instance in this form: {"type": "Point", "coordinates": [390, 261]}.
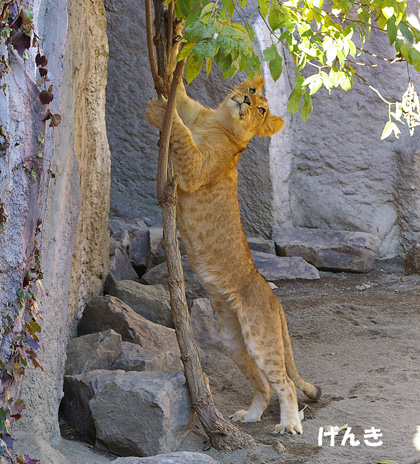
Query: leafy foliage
{"type": "Point", "coordinates": [326, 39]}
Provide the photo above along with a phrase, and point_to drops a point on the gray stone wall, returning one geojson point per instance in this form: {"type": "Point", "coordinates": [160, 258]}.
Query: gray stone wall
{"type": "Point", "coordinates": [331, 172]}
{"type": "Point", "coordinates": [75, 237]}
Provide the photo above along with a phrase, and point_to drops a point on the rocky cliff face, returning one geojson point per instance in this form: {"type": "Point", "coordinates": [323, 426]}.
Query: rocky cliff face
{"type": "Point", "coordinates": [75, 237]}
{"type": "Point", "coordinates": [332, 172]}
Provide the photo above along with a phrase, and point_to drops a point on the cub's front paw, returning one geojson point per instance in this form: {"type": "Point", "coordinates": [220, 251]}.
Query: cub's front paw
{"type": "Point", "coordinates": [293, 429]}
{"type": "Point", "coordinates": [244, 416]}
{"type": "Point", "coordinates": [155, 112]}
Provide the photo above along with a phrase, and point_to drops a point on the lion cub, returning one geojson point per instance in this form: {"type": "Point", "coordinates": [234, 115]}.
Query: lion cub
{"type": "Point", "coordinates": [207, 144]}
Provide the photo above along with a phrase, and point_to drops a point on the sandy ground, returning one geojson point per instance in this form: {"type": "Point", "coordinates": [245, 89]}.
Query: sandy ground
{"type": "Point", "coordinates": [358, 337]}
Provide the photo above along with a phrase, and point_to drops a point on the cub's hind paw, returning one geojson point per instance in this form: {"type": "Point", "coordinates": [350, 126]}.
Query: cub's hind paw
{"type": "Point", "coordinates": [289, 428]}
{"type": "Point", "coordinates": [244, 416]}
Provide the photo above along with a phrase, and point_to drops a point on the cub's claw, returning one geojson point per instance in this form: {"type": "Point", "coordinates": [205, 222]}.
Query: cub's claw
{"type": "Point", "coordinates": [243, 416]}
{"type": "Point", "coordinates": [289, 428]}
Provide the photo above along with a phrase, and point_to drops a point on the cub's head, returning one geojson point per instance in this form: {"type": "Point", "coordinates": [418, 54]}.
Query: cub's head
{"type": "Point", "coordinates": [245, 111]}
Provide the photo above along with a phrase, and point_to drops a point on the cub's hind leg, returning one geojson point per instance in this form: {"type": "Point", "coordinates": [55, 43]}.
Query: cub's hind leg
{"type": "Point", "coordinates": [234, 343]}
{"type": "Point", "coordinates": [263, 337]}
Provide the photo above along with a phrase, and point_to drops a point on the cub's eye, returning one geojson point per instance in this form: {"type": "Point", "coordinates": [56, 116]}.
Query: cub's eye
{"type": "Point", "coordinates": [261, 110]}
{"type": "Point", "coordinates": [251, 91]}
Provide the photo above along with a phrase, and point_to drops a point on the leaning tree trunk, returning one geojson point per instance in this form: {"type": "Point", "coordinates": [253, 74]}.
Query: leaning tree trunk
{"type": "Point", "coordinates": [223, 435]}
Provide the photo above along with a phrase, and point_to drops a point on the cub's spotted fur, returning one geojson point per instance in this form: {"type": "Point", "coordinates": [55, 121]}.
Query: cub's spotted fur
{"type": "Point", "coordinates": [207, 144]}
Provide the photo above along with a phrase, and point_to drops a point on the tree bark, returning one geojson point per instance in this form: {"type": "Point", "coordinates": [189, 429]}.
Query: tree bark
{"type": "Point", "coordinates": [223, 435]}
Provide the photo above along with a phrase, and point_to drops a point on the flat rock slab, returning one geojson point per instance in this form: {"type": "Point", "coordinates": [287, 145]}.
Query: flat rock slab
{"type": "Point", "coordinates": [92, 351]}
{"type": "Point", "coordinates": [179, 457]}
{"type": "Point", "coordinates": [134, 357]}
{"type": "Point", "coordinates": [262, 244]}
{"type": "Point", "coordinates": [150, 301]}
{"type": "Point", "coordinates": [142, 413]}
{"type": "Point", "coordinates": [193, 287]}
{"type": "Point", "coordinates": [108, 312]}
{"type": "Point", "coordinates": [275, 268]}
{"type": "Point", "coordinates": [329, 250]}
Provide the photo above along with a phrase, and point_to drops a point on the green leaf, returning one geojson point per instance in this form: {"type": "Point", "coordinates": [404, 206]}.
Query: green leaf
{"type": "Point", "coordinates": [276, 66]}
{"type": "Point", "coordinates": [204, 49]}
{"type": "Point", "coordinates": [264, 5]}
{"type": "Point", "coordinates": [391, 29]}
{"type": "Point", "coordinates": [208, 66]}
{"type": "Point", "coordinates": [294, 102]}
{"type": "Point", "coordinates": [193, 16]}
{"type": "Point", "coordinates": [185, 51]}
{"type": "Point", "coordinates": [193, 68]}
{"type": "Point", "coordinates": [414, 56]}
{"type": "Point", "coordinates": [229, 6]}
{"type": "Point", "coordinates": [314, 82]}
{"type": "Point", "coordinates": [207, 9]}
{"type": "Point", "coordinates": [406, 32]}
{"type": "Point", "coordinates": [273, 18]}
{"type": "Point", "coordinates": [307, 107]}
{"type": "Point", "coordinates": [389, 128]}
{"type": "Point", "coordinates": [388, 12]}
{"type": "Point", "coordinates": [198, 31]}
{"type": "Point", "coordinates": [270, 53]}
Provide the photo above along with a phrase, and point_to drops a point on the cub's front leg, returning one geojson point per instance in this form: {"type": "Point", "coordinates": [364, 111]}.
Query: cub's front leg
{"type": "Point", "coordinates": [155, 112]}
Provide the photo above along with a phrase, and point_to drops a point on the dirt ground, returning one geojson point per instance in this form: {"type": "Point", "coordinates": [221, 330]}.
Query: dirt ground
{"type": "Point", "coordinates": [358, 337]}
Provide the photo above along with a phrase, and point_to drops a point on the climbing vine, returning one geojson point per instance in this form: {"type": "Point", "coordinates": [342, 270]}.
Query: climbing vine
{"type": "Point", "coordinates": [21, 319]}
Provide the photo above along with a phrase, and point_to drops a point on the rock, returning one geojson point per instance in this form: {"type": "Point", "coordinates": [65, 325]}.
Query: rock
{"type": "Point", "coordinates": [205, 325]}
{"type": "Point", "coordinates": [93, 351]}
{"type": "Point", "coordinates": [117, 223]}
{"type": "Point", "coordinates": [142, 413]}
{"type": "Point", "coordinates": [133, 357]}
{"type": "Point", "coordinates": [276, 268]}
{"type": "Point", "coordinates": [329, 250]}
{"type": "Point", "coordinates": [105, 312]}
{"type": "Point", "coordinates": [179, 457]}
{"type": "Point", "coordinates": [412, 260]}
{"type": "Point", "coordinates": [261, 244]}
{"type": "Point", "coordinates": [37, 448]}
{"type": "Point", "coordinates": [120, 267]}
{"type": "Point", "coordinates": [157, 253]}
{"type": "Point", "coordinates": [78, 391]}
{"type": "Point", "coordinates": [159, 275]}
{"type": "Point", "coordinates": [150, 301]}
{"type": "Point", "coordinates": [140, 249]}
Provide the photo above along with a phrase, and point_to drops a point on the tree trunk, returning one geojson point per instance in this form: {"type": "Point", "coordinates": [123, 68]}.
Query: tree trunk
{"type": "Point", "coordinates": [223, 435]}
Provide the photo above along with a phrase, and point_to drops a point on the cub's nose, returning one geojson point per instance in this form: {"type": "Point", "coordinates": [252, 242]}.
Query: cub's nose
{"type": "Point", "coordinates": [247, 100]}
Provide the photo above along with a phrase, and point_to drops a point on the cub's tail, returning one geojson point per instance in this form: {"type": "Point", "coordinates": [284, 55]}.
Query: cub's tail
{"type": "Point", "coordinates": [311, 391]}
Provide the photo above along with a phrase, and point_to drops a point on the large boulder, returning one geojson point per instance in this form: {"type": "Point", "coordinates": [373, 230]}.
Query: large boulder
{"type": "Point", "coordinates": [142, 413]}
{"type": "Point", "coordinates": [412, 260]}
{"type": "Point", "coordinates": [92, 351]}
{"type": "Point", "coordinates": [106, 312]}
{"type": "Point", "coordinates": [78, 391]}
{"type": "Point", "coordinates": [133, 357]}
{"type": "Point", "coordinates": [150, 301]}
{"type": "Point", "coordinates": [193, 287]}
{"type": "Point", "coordinates": [205, 325]}
{"type": "Point", "coordinates": [275, 268]}
{"type": "Point", "coordinates": [179, 457]}
{"type": "Point", "coordinates": [329, 250]}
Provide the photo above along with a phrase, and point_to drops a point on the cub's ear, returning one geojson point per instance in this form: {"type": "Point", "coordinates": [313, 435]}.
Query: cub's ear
{"type": "Point", "coordinates": [272, 124]}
